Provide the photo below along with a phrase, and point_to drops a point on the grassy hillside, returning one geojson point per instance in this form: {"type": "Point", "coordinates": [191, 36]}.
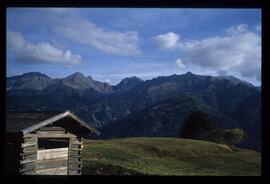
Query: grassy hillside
{"type": "Point", "coordinates": [166, 156]}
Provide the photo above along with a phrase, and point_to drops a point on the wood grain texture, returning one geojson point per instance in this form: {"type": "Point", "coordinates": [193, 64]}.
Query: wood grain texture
{"type": "Point", "coordinates": [52, 163]}
{"type": "Point", "coordinates": [53, 171]}
{"type": "Point", "coordinates": [52, 153]}
{"type": "Point", "coordinates": [52, 128]}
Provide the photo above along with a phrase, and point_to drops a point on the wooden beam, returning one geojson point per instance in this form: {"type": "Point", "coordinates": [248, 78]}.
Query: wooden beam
{"type": "Point", "coordinates": [75, 149]}
{"type": "Point", "coordinates": [31, 152]}
{"type": "Point", "coordinates": [75, 172]}
{"type": "Point", "coordinates": [52, 163]}
{"type": "Point", "coordinates": [75, 142]}
{"type": "Point", "coordinates": [53, 171]}
{"type": "Point", "coordinates": [29, 149]}
{"type": "Point", "coordinates": [27, 144]}
{"type": "Point", "coordinates": [27, 161]}
{"type": "Point", "coordinates": [29, 157]}
{"type": "Point", "coordinates": [30, 135]}
{"type": "Point", "coordinates": [28, 167]}
{"type": "Point", "coordinates": [52, 135]}
{"type": "Point", "coordinates": [52, 128]}
{"type": "Point", "coordinates": [52, 153]}
{"type": "Point", "coordinates": [30, 172]}
{"type": "Point", "coordinates": [74, 156]}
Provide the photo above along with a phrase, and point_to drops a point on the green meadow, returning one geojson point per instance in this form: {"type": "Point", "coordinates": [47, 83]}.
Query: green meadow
{"type": "Point", "coordinates": [167, 156]}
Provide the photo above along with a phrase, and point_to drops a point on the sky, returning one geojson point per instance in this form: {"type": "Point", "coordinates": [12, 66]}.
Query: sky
{"type": "Point", "coordinates": [110, 44]}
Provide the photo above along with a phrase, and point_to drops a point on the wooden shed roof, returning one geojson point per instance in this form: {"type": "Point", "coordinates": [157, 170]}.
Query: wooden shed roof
{"type": "Point", "coordinates": [26, 122]}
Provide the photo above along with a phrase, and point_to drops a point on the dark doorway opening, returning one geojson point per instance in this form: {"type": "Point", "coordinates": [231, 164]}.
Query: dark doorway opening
{"type": "Point", "coordinates": [51, 143]}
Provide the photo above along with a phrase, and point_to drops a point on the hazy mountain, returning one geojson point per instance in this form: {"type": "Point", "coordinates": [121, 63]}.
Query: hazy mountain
{"type": "Point", "coordinates": [234, 80]}
{"type": "Point", "coordinates": [38, 81]}
{"type": "Point", "coordinates": [113, 106]}
{"type": "Point", "coordinates": [32, 80]}
{"type": "Point", "coordinates": [127, 83]}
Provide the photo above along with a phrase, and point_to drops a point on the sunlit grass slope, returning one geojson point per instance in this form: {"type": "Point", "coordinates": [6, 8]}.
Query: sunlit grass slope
{"type": "Point", "coordinates": [166, 156]}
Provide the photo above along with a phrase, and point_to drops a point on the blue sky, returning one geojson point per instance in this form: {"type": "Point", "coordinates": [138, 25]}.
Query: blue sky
{"type": "Point", "coordinates": [113, 43]}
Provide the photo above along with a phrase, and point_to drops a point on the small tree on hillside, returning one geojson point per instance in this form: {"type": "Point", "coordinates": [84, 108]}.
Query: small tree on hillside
{"type": "Point", "coordinates": [233, 136]}
{"type": "Point", "coordinates": [197, 125]}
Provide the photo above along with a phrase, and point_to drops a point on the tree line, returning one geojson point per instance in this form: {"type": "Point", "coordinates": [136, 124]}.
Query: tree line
{"type": "Point", "coordinates": [198, 125]}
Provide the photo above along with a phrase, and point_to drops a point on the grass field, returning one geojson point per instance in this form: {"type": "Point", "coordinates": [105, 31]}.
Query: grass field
{"type": "Point", "coordinates": [167, 156]}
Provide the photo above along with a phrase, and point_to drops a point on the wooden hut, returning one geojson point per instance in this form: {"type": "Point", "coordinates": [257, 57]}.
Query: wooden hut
{"type": "Point", "coordinates": [45, 143]}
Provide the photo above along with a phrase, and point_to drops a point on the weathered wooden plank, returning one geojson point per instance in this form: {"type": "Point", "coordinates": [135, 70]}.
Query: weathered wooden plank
{"type": "Point", "coordinates": [56, 132]}
{"type": "Point", "coordinates": [28, 148]}
{"type": "Point", "coordinates": [29, 156]}
{"type": "Point", "coordinates": [28, 152]}
{"type": "Point", "coordinates": [27, 144]}
{"type": "Point", "coordinates": [32, 172]}
{"type": "Point", "coordinates": [75, 142]}
{"type": "Point", "coordinates": [32, 135]}
{"type": "Point", "coordinates": [75, 146]}
{"type": "Point", "coordinates": [53, 171]}
{"type": "Point", "coordinates": [52, 153]}
{"type": "Point", "coordinates": [75, 162]}
{"type": "Point", "coordinates": [29, 140]}
{"type": "Point", "coordinates": [52, 128]}
{"type": "Point", "coordinates": [27, 164]}
{"type": "Point", "coordinates": [75, 157]}
{"type": "Point", "coordinates": [51, 166]}
{"type": "Point", "coordinates": [74, 169]}
{"type": "Point", "coordinates": [28, 167]}
{"type": "Point", "coordinates": [52, 163]}
{"type": "Point", "coordinates": [32, 152]}
{"type": "Point", "coordinates": [53, 134]}
{"type": "Point", "coordinates": [74, 152]}
{"type": "Point", "coordinates": [32, 148]}
{"type": "Point", "coordinates": [75, 149]}
{"type": "Point", "coordinates": [27, 161]}
{"type": "Point", "coordinates": [76, 172]}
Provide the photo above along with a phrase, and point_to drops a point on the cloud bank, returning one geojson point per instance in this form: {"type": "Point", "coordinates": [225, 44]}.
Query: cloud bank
{"type": "Point", "coordinates": [72, 26]}
{"type": "Point", "coordinates": [239, 51]}
{"type": "Point", "coordinates": [40, 53]}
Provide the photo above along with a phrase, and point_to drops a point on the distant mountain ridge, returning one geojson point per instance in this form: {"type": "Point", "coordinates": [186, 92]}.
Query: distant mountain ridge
{"type": "Point", "coordinates": [32, 80]}
{"type": "Point", "coordinates": [133, 102]}
{"type": "Point", "coordinates": [38, 81]}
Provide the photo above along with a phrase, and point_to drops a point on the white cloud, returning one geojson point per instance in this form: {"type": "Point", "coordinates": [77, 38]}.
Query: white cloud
{"type": "Point", "coordinates": [42, 52]}
{"type": "Point", "coordinates": [167, 41]}
{"type": "Point", "coordinates": [258, 28]}
{"type": "Point", "coordinates": [238, 52]}
{"type": "Point", "coordinates": [236, 30]}
{"type": "Point", "coordinates": [179, 63]}
{"type": "Point", "coordinates": [80, 30]}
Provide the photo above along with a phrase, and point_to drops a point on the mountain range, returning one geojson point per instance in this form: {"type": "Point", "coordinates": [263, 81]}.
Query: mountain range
{"type": "Point", "coordinates": [135, 107]}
